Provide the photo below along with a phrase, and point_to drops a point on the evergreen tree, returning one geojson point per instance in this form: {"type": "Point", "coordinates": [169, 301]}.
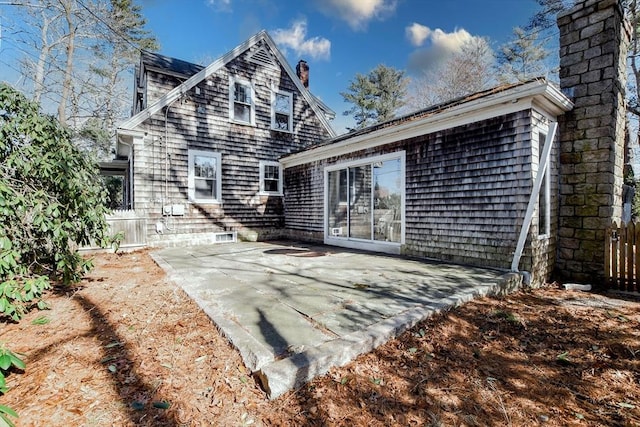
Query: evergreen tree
{"type": "Point", "coordinates": [377, 96]}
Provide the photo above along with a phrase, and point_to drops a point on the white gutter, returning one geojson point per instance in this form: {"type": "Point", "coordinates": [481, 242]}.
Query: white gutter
{"type": "Point", "coordinates": [537, 184]}
{"type": "Point", "coordinates": [512, 100]}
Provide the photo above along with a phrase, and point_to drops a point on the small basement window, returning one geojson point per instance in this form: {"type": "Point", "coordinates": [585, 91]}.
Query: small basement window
{"type": "Point", "coordinates": [270, 178]}
{"type": "Point", "coordinates": [282, 111]}
{"type": "Point", "coordinates": [241, 104]}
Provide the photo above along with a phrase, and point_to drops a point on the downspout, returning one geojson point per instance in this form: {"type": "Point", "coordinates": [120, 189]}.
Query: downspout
{"type": "Point", "coordinates": [537, 184]}
{"type": "Point", "coordinates": [166, 161]}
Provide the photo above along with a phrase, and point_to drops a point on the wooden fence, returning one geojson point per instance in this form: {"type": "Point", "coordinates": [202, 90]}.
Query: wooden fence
{"type": "Point", "coordinates": [622, 259]}
{"type": "Point", "coordinates": [131, 225]}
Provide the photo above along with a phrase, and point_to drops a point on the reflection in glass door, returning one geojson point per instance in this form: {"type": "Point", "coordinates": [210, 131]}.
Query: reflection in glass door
{"type": "Point", "coordinates": [387, 201]}
{"type": "Point", "coordinates": [364, 201]}
{"type": "Point", "coordinates": [360, 202]}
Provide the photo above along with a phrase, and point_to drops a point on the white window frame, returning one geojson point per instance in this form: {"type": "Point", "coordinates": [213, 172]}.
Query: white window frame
{"type": "Point", "coordinates": [274, 97]}
{"type": "Point", "coordinates": [252, 93]}
{"type": "Point", "coordinates": [366, 244]}
{"type": "Point", "coordinates": [540, 135]}
{"type": "Point", "coordinates": [264, 163]}
{"type": "Point", "coordinates": [191, 180]}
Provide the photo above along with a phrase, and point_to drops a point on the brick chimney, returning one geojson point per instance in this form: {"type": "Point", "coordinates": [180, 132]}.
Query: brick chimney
{"type": "Point", "coordinates": [302, 70]}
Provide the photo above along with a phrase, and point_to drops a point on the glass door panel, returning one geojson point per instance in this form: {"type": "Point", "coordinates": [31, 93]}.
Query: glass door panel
{"type": "Point", "coordinates": [387, 201]}
{"type": "Point", "coordinates": [338, 203]}
{"type": "Point", "coordinates": [360, 202]}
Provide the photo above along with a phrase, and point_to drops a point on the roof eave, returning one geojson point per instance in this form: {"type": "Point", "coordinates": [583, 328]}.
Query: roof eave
{"type": "Point", "coordinates": [192, 81]}
{"type": "Point", "coordinates": [547, 96]}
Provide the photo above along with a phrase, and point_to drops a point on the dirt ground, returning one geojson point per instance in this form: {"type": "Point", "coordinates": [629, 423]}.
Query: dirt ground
{"type": "Point", "coordinates": [126, 347]}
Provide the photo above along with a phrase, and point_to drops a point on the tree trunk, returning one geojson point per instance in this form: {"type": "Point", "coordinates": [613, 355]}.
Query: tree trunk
{"type": "Point", "coordinates": [66, 83]}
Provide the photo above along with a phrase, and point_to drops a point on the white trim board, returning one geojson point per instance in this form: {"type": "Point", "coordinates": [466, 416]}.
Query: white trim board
{"type": "Point", "coordinates": [510, 101]}
{"type": "Point", "coordinates": [210, 69]}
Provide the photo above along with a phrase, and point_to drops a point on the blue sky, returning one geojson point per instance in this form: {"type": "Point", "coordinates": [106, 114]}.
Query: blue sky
{"type": "Point", "coordinates": [338, 38]}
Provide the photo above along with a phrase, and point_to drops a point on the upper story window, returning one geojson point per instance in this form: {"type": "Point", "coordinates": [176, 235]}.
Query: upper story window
{"type": "Point", "coordinates": [270, 178]}
{"type": "Point", "coordinates": [205, 184]}
{"type": "Point", "coordinates": [241, 101]}
{"type": "Point", "coordinates": [282, 111]}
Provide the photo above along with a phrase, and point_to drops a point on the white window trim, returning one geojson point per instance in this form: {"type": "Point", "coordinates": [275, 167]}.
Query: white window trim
{"type": "Point", "coordinates": [545, 188]}
{"type": "Point", "coordinates": [191, 179]}
{"type": "Point", "coordinates": [232, 82]}
{"type": "Point", "coordinates": [274, 94]}
{"type": "Point", "coordinates": [371, 245]}
{"type": "Point", "coordinates": [264, 163]}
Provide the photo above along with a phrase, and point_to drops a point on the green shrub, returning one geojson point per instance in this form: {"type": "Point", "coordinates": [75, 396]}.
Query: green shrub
{"type": "Point", "coordinates": [8, 359]}
{"type": "Point", "coordinates": [51, 202]}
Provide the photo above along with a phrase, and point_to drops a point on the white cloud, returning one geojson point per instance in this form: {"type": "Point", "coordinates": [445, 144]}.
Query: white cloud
{"type": "Point", "coordinates": [295, 38]}
{"type": "Point", "coordinates": [357, 13]}
{"type": "Point", "coordinates": [440, 46]}
{"type": "Point", "coordinates": [220, 5]}
{"type": "Point", "coordinates": [417, 33]}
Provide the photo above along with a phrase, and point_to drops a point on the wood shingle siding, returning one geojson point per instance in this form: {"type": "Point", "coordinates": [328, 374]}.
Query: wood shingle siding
{"type": "Point", "coordinates": [199, 120]}
{"type": "Point", "coordinates": [466, 192]}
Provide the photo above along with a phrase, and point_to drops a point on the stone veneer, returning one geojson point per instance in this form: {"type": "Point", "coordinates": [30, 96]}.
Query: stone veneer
{"type": "Point", "coordinates": [593, 49]}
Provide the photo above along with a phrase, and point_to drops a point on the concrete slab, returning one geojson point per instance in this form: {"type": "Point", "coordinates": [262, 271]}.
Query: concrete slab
{"type": "Point", "coordinates": [295, 310]}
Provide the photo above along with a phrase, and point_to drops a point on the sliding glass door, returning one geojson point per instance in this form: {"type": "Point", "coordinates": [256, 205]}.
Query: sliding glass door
{"type": "Point", "coordinates": [365, 200]}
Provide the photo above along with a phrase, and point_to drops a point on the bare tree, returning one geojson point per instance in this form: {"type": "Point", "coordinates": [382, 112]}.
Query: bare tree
{"type": "Point", "coordinates": [522, 57]}
{"type": "Point", "coordinates": [78, 55]}
{"type": "Point", "coordinates": [467, 71]}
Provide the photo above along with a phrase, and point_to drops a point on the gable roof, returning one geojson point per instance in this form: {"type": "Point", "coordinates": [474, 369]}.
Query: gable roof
{"type": "Point", "coordinates": [165, 63]}
{"type": "Point", "coordinates": [184, 87]}
{"type": "Point", "coordinates": [482, 105]}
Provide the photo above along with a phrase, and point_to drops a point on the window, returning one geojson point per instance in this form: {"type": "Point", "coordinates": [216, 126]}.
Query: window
{"type": "Point", "coordinates": [365, 201]}
{"type": "Point", "coordinates": [282, 111]}
{"type": "Point", "coordinates": [270, 178]}
{"type": "Point", "coordinates": [205, 185]}
{"type": "Point", "coordinates": [241, 106]}
{"type": "Point", "coordinates": [544, 197]}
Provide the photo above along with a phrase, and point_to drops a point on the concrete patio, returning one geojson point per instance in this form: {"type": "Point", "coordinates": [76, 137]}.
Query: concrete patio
{"type": "Point", "coordinates": [295, 310]}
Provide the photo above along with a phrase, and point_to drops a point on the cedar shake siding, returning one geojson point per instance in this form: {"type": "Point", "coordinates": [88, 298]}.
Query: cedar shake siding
{"type": "Point", "coordinates": [304, 201]}
{"type": "Point", "coordinates": [199, 120]}
{"type": "Point", "coordinates": [467, 189]}
{"type": "Point", "coordinates": [466, 192]}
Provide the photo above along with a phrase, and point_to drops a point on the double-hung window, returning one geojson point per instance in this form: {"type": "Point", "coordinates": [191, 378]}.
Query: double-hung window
{"type": "Point", "coordinates": [241, 104]}
{"type": "Point", "coordinates": [270, 178]}
{"type": "Point", "coordinates": [205, 184]}
{"type": "Point", "coordinates": [282, 111]}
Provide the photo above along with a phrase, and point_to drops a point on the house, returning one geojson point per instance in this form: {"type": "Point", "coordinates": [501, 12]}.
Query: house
{"type": "Point", "coordinates": [200, 153]}
{"type": "Point", "coordinates": [241, 149]}
{"type": "Point", "coordinates": [455, 182]}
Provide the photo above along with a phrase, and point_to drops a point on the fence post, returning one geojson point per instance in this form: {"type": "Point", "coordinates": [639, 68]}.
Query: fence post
{"type": "Point", "coordinates": [636, 260]}
{"type": "Point", "coordinates": [608, 242]}
{"type": "Point", "coordinates": [614, 237]}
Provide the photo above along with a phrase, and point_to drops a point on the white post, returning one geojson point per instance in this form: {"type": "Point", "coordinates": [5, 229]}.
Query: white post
{"type": "Point", "coordinates": [537, 184]}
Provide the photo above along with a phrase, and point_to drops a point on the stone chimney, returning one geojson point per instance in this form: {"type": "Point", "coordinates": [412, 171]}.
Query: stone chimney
{"type": "Point", "coordinates": [594, 39]}
{"type": "Point", "coordinates": [302, 70]}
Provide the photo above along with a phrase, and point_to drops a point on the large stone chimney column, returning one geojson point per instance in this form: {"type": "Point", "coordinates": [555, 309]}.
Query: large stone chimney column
{"type": "Point", "coordinates": [594, 39]}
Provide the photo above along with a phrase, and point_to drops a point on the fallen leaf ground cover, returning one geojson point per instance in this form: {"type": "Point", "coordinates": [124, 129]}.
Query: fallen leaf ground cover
{"type": "Point", "coordinates": [126, 347]}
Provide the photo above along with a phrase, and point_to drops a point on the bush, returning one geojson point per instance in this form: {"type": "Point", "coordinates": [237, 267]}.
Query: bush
{"type": "Point", "coordinates": [51, 202]}
{"type": "Point", "coordinates": [8, 361]}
